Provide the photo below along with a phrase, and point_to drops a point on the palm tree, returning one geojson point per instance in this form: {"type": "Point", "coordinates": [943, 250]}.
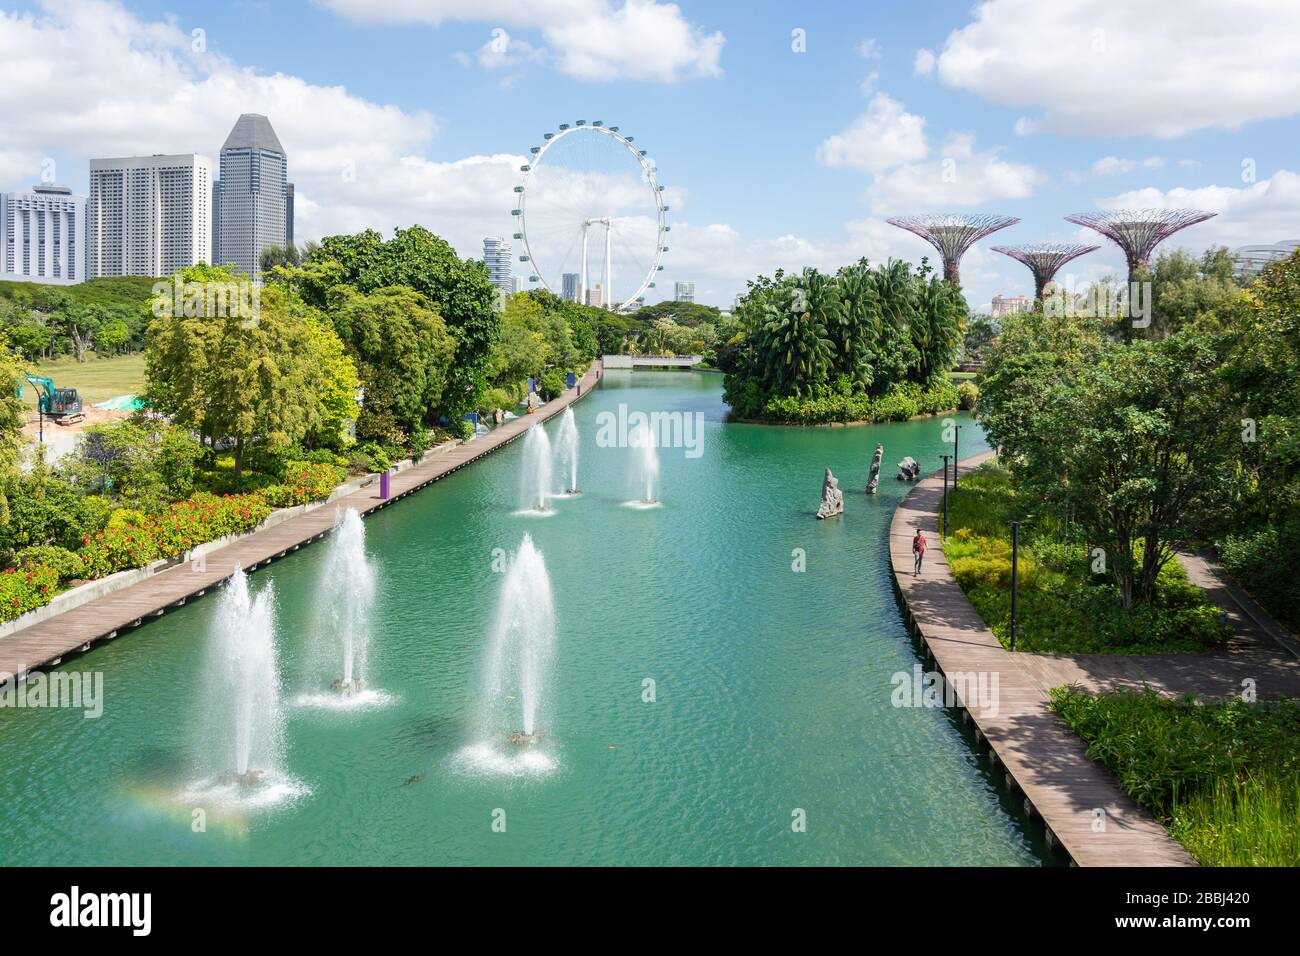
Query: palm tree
{"type": "Point", "coordinates": [796, 351]}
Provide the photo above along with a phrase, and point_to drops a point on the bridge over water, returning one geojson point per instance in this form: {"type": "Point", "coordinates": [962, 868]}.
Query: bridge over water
{"type": "Point", "coordinates": [650, 361]}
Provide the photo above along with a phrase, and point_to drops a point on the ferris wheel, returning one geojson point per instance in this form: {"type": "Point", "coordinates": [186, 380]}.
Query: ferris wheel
{"type": "Point", "coordinates": [592, 217]}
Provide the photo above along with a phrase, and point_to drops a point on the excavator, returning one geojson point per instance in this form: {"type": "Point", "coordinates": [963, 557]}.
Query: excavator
{"type": "Point", "coordinates": [62, 405]}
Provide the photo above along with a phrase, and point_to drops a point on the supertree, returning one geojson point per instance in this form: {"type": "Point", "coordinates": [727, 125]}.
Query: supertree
{"type": "Point", "coordinates": [952, 235]}
{"type": "Point", "coordinates": [1139, 231]}
{"type": "Point", "coordinates": [1045, 259]}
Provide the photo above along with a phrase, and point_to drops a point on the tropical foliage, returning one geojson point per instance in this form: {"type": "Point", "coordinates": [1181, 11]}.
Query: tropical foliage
{"type": "Point", "coordinates": [813, 347]}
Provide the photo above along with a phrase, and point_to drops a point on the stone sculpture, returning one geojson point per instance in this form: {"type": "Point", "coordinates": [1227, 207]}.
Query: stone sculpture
{"type": "Point", "coordinates": [875, 469]}
{"type": "Point", "coordinates": [832, 497]}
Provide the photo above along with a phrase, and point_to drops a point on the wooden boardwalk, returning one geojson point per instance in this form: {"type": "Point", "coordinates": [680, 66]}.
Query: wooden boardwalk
{"type": "Point", "coordinates": [46, 643]}
{"type": "Point", "coordinates": [1079, 802]}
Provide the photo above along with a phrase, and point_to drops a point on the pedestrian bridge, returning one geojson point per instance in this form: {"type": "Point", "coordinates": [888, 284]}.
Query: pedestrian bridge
{"type": "Point", "coordinates": [651, 361]}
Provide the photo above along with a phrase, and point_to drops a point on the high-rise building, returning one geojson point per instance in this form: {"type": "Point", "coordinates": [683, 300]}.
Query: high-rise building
{"type": "Point", "coordinates": [684, 291]}
{"type": "Point", "coordinates": [43, 235]}
{"type": "Point", "coordinates": [253, 196]}
{"type": "Point", "coordinates": [593, 295]}
{"type": "Point", "coordinates": [148, 215]}
{"type": "Point", "coordinates": [570, 286]}
{"type": "Point", "coordinates": [496, 256]}
{"type": "Point", "coordinates": [1011, 304]}
{"type": "Point", "coordinates": [288, 215]}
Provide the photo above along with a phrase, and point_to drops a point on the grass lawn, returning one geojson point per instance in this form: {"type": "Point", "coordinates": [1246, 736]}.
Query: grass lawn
{"type": "Point", "coordinates": [1224, 777]}
{"type": "Point", "coordinates": [1063, 606]}
{"type": "Point", "coordinates": [961, 376]}
{"type": "Point", "coordinates": [95, 379]}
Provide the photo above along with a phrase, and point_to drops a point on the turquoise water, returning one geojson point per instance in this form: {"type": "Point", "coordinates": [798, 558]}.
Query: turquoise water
{"type": "Point", "coordinates": [772, 687]}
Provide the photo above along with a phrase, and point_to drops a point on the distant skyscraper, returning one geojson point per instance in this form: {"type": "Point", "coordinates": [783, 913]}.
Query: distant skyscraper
{"type": "Point", "coordinates": [43, 235]}
{"type": "Point", "coordinates": [148, 215]}
{"type": "Point", "coordinates": [684, 291]}
{"type": "Point", "coordinates": [288, 214]}
{"type": "Point", "coordinates": [1011, 304]}
{"type": "Point", "coordinates": [496, 256]}
{"type": "Point", "coordinates": [593, 295]}
{"type": "Point", "coordinates": [570, 288]}
{"type": "Point", "coordinates": [253, 196]}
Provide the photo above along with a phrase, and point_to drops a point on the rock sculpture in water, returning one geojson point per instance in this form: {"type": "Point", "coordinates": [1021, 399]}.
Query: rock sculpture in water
{"type": "Point", "coordinates": [832, 497]}
{"type": "Point", "coordinates": [875, 469]}
{"type": "Point", "coordinates": [908, 469]}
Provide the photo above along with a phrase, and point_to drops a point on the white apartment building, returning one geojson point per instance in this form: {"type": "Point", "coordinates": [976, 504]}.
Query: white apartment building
{"type": "Point", "coordinates": [148, 215]}
{"type": "Point", "coordinates": [43, 235]}
{"type": "Point", "coordinates": [496, 256]}
{"type": "Point", "coordinates": [684, 291]}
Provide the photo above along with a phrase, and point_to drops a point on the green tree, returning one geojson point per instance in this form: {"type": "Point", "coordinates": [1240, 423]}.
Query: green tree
{"type": "Point", "coordinates": [253, 379]}
{"type": "Point", "coordinates": [458, 290]}
{"type": "Point", "coordinates": [403, 353]}
{"type": "Point", "coordinates": [1131, 441]}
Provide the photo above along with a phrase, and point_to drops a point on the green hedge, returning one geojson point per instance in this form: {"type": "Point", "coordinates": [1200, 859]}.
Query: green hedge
{"type": "Point", "coordinates": [303, 482]}
{"type": "Point", "coordinates": [25, 589]}
{"type": "Point", "coordinates": [842, 406]}
{"type": "Point", "coordinates": [197, 520]}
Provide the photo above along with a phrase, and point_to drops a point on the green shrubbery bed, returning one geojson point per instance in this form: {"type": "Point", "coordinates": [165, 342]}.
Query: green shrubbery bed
{"type": "Point", "coordinates": [1223, 776]}
{"type": "Point", "coordinates": [842, 405]}
{"type": "Point", "coordinates": [1063, 606]}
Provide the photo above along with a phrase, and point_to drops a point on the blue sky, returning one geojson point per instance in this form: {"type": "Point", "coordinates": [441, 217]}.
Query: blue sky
{"type": "Point", "coordinates": [772, 156]}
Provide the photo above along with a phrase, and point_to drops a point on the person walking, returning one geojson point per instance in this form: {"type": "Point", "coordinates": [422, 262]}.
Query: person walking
{"type": "Point", "coordinates": [918, 551]}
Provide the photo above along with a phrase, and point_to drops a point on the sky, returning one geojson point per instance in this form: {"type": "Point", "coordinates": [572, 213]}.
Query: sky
{"type": "Point", "coordinates": [785, 133]}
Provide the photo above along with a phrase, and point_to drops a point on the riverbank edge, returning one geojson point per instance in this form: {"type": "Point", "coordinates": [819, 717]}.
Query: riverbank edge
{"type": "Point", "coordinates": [859, 424]}
{"type": "Point", "coordinates": [1081, 806]}
{"type": "Point", "coordinates": [42, 649]}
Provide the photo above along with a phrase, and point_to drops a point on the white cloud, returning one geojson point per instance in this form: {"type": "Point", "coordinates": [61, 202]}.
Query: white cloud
{"type": "Point", "coordinates": [588, 39]}
{"type": "Point", "coordinates": [885, 135]}
{"type": "Point", "coordinates": [1114, 165]}
{"type": "Point", "coordinates": [869, 49]}
{"type": "Point", "coordinates": [1095, 68]}
{"type": "Point", "coordinates": [502, 50]}
{"type": "Point", "coordinates": [923, 65]}
{"type": "Point", "coordinates": [960, 176]}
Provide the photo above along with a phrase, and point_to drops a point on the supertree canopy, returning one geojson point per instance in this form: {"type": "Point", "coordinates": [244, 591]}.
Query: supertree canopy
{"type": "Point", "coordinates": [1045, 259]}
{"type": "Point", "coordinates": [1139, 231]}
{"type": "Point", "coordinates": [952, 235]}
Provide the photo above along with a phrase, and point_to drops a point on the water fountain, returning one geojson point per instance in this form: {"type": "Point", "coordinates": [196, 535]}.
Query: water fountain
{"type": "Point", "coordinates": [521, 647]}
{"type": "Point", "coordinates": [535, 481]}
{"type": "Point", "coordinates": [645, 461]}
{"type": "Point", "coordinates": [244, 733]}
{"type": "Point", "coordinates": [346, 598]}
{"type": "Point", "coordinates": [566, 448]}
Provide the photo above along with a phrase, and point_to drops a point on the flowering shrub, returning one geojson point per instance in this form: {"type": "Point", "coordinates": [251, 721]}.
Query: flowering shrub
{"type": "Point", "coordinates": [23, 589]}
{"type": "Point", "coordinates": [66, 564]}
{"type": "Point", "coordinates": [200, 518]}
{"type": "Point", "coordinates": [303, 482]}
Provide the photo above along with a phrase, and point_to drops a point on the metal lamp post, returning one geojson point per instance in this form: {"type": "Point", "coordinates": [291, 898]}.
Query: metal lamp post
{"type": "Point", "coordinates": [1015, 575]}
{"type": "Point", "coordinates": [945, 494]}
{"type": "Point", "coordinates": [956, 433]}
